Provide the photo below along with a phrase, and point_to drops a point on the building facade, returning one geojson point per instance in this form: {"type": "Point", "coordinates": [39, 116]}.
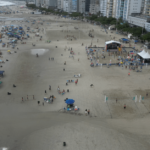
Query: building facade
{"type": "Point", "coordinates": [82, 6]}
{"type": "Point", "coordinates": [124, 8]}
{"type": "Point", "coordinates": [87, 5]}
{"type": "Point", "coordinates": [67, 5]}
{"type": "Point", "coordinates": [146, 10]}
{"type": "Point", "coordinates": [140, 21]}
{"type": "Point", "coordinates": [103, 7]}
{"type": "Point", "coordinates": [111, 8]}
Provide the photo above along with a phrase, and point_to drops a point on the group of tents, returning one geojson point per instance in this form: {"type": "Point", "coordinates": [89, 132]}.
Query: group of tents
{"type": "Point", "coordinates": [12, 31]}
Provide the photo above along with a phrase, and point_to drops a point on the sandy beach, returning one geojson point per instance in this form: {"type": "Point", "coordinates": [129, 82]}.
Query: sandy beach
{"type": "Point", "coordinates": [27, 125]}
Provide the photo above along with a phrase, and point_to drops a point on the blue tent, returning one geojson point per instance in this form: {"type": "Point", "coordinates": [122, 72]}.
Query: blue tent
{"type": "Point", "coordinates": [125, 40]}
{"type": "Point", "coordinates": [70, 101]}
{"type": "Point", "coordinates": [1, 72]}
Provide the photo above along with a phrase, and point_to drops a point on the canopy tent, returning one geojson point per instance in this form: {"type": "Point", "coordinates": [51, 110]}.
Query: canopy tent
{"type": "Point", "coordinates": [113, 45]}
{"type": "Point", "coordinates": [1, 72]}
{"type": "Point", "coordinates": [70, 101]}
{"type": "Point", "coordinates": [144, 54]}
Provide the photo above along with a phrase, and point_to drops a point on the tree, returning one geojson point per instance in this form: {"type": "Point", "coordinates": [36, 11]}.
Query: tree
{"type": "Point", "coordinates": [146, 37]}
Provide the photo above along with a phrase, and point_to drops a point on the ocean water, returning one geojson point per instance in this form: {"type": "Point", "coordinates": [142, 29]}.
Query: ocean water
{"type": "Point", "coordinates": [6, 3]}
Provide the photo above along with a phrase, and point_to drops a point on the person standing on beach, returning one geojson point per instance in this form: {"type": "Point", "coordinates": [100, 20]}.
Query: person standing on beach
{"type": "Point", "coordinates": [124, 106]}
{"type": "Point", "coordinates": [49, 87]}
{"type": "Point", "coordinates": [58, 88]}
{"type": "Point", "coordinates": [88, 111]}
{"type": "Point", "coordinates": [45, 91]}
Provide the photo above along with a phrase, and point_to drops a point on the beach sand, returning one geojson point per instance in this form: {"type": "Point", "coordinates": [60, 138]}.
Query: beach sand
{"type": "Point", "coordinates": [27, 125]}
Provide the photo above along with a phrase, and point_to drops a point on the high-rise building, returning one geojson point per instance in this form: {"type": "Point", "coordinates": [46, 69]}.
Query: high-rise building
{"type": "Point", "coordinates": [58, 4]}
{"type": "Point", "coordinates": [147, 7]}
{"type": "Point", "coordinates": [111, 8]}
{"type": "Point", "coordinates": [124, 8]}
{"type": "Point", "coordinates": [103, 7]}
{"type": "Point", "coordinates": [82, 6]}
{"type": "Point", "coordinates": [67, 5]}
{"type": "Point", "coordinates": [38, 3]}
{"type": "Point", "coordinates": [74, 5]}
{"type": "Point", "coordinates": [52, 3]}
{"type": "Point", "coordinates": [87, 5]}
{"type": "Point", "coordinates": [94, 7]}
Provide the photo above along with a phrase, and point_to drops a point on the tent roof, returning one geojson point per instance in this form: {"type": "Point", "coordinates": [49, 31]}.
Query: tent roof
{"type": "Point", "coordinates": [112, 41]}
{"type": "Point", "coordinates": [144, 54]}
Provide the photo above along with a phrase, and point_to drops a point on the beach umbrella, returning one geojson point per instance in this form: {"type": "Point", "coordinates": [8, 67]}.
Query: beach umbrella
{"type": "Point", "coordinates": [0, 82]}
{"type": "Point", "coordinates": [70, 101]}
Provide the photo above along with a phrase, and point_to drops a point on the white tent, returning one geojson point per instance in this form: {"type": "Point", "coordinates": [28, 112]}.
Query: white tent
{"type": "Point", "coordinates": [112, 41]}
{"type": "Point", "coordinates": [144, 54]}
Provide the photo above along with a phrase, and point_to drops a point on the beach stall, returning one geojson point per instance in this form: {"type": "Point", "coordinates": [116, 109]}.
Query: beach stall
{"type": "Point", "coordinates": [70, 104]}
{"type": "Point", "coordinates": [113, 46]}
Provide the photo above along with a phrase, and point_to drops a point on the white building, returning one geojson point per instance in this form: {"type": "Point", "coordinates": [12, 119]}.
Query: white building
{"type": "Point", "coordinates": [60, 4]}
{"type": "Point", "coordinates": [147, 7]}
{"type": "Point", "coordinates": [103, 7]}
{"type": "Point", "coordinates": [38, 3]}
{"type": "Point", "coordinates": [124, 8]}
{"type": "Point", "coordinates": [74, 6]}
{"type": "Point", "coordinates": [94, 6]}
{"type": "Point", "coordinates": [140, 21]}
{"type": "Point", "coordinates": [111, 8]}
{"type": "Point", "coordinates": [67, 5]}
{"type": "Point", "coordinates": [81, 6]}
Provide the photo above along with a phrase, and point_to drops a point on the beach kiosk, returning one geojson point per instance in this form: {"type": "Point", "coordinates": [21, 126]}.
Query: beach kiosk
{"type": "Point", "coordinates": [113, 46]}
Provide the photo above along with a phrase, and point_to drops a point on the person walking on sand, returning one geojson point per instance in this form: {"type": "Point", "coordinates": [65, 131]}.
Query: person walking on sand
{"type": "Point", "coordinates": [76, 82]}
{"type": "Point", "coordinates": [116, 100]}
{"type": "Point", "coordinates": [88, 111]}
{"type": "Point", "coordinates": [124, 106]}
{"type": "Point", "coordinates": [58, 88]}
{"type": "Point", "coordinates": [50, 87]}
{"type": "Point", "coordinates": [45, 91]}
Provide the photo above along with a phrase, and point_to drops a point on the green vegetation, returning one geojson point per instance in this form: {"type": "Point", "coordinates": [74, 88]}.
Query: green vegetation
{"type": "Point", "coordinates": [146, 37]}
